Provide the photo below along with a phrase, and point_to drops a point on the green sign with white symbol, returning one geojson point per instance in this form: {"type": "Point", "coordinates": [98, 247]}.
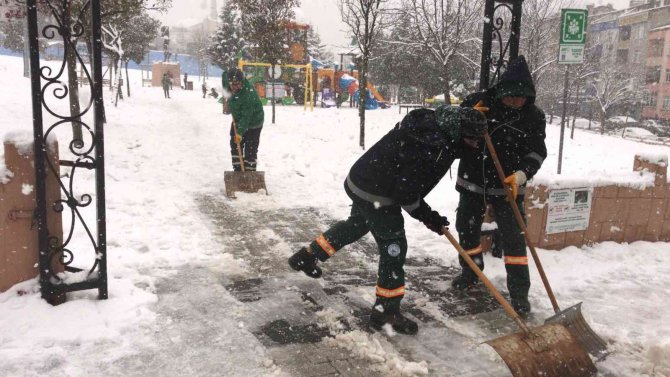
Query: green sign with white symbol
{"type": "Point", "coordinates": [573, 36]}
{"type": "Point", "coordinates": [573, 26]}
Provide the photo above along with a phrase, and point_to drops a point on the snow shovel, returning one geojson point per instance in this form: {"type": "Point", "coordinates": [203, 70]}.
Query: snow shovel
{"type": "Point", "coordinates": [549, 350]}
{"type": "Point", "coordinates": [571, 317]}
{"type": "Point", "coordinates": [244, 181]}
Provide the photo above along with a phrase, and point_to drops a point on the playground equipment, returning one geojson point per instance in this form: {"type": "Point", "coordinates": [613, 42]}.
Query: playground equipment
{"type": "Point", "coordinates": [343, 82]}
{"type": "Point", "coordinates": [286, 78]}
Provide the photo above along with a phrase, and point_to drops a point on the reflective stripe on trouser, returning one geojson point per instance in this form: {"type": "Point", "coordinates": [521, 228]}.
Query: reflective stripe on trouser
{"type": "Point", "coordinates": [249, 145]}
{"type": "Point", "coordinates": [387, 227]}
{"type": "Point", "coordinates": [469, 218]}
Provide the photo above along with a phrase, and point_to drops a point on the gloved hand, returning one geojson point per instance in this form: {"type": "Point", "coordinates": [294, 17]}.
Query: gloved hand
{"type": "Point", "coordinates": [237, 138]}
{"type": "Point", "coordinates": [515, 180]}
{"type": "Point", "coordinates": [481, 107]}
{"type": "Point", "coordinates": [435, 222]}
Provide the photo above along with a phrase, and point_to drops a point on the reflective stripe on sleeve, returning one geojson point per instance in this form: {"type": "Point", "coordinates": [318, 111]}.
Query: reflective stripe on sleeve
{"type": "Point", "coordinates": [389, 293]}
{"type": "Point", "coordinates": [325, 245]}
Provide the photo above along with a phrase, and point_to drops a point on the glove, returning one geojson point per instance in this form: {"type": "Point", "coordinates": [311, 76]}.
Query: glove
{"type": "Point", "coordinates": [514, 181]}
{"type": "Point", "coordinates": [481, 108]}
{"type": "Point", "coordinates": [237, 138]}
{"type": "Point", "coordinates": [435, 222]}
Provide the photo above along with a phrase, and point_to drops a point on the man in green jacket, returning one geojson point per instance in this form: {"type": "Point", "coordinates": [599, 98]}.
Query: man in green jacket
{"type": "Point", "coordinates": [247, 110]}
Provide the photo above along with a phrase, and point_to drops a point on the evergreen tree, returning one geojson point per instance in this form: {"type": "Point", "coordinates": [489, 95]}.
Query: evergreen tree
{"type": "Point", "coordinates": [227, 43]}
{"type": "Point", "coordinates": [13, 31]}
{"type": "Point", "coordinates": [315, 48]}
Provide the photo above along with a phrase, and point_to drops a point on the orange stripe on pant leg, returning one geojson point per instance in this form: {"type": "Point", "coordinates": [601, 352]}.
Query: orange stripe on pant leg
{"type": "Point", "coordinates": [325, 245]}
{"type": "Point", "coordinates": [516, 260]}
{"type": "Point", "coordinates": [390, 293]}
{"type": "Point", "coordinates": [474, 251]}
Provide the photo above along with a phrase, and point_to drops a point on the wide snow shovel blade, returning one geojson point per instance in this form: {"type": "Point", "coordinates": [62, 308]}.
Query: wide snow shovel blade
{"type": "Point", "coordinates": [549, 350]}
{"type": "Point", "coordinates": [574, 321]}
{"type": "Point", "coordinates": [572, 317]}
{"type": "Point", "coordinates": [244, 181]}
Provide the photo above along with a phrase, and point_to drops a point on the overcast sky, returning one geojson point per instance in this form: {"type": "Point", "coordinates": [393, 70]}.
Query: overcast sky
{"type": "Point", "coordinates": [324, 15]}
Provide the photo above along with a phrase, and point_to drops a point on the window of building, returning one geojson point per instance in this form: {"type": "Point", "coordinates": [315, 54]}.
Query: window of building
{"type": "Point", "coordinates": [667, 72]}
{"type": "Point", "coordinates": [655, 47]}
{"type": "Point", "coordinates": [624, 33]}
{"type": "Point", "coordinates": [646, 99]}
{"type": "Point", "coordinates": [622, 56]}
{"type": "Point", "coordinates": [666, 103]}
{"type": "Point", "coordinates": [653, 75]}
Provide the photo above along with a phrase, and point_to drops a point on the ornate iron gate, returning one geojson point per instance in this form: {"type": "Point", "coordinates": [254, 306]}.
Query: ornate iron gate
{"type": "Point", "coordinates": [496, 13]}
{"type": "Point", "coordinates": [50, 84]}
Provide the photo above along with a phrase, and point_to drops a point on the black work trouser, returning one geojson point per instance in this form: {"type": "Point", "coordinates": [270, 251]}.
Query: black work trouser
{"type": "Point", "coordinates": [469, 218]}
{"type": "Point", "coordinates": [249, 145]}
{"type": "Point", "coordinates": [388, 229]}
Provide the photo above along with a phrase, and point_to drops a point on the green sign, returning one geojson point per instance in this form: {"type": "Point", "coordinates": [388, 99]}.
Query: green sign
{"type": "Point", "coordinates": [573, 26]}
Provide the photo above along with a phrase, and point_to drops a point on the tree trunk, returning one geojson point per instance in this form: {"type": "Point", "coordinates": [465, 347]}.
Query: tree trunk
{"type": "Point", "coordinates": [362, 93]}
{"type": "Point", "coordinates": [72, 82]}
{"type": "Point", "coordinates": [603, 115]}
{"type": "Point", "coordinates": [127, 81]}
{"type": "Point", "coordinates": [447, 89]}
{"type": "Point", "coordinates": [273, 92]}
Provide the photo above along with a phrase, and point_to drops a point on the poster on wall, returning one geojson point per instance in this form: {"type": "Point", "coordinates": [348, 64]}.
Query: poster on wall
{"type": "Point", "coordinates": [569, 210]}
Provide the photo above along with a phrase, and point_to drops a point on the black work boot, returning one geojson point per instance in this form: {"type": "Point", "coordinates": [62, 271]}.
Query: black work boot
{"type": "Point", "coordinates": [521, 305]}
{"type": "Point", "coordinates": [305, 261]}
{"type": "Point", "coordinates": [401, 324]}
{"type": "Point", "coordinates": [465, 280]}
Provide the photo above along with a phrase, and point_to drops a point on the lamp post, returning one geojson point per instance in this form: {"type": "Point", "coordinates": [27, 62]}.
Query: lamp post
{"type": "Point", "coordinates": [494, 25]}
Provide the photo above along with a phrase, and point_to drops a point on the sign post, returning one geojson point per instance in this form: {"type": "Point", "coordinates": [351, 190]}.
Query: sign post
{"type": "Point", "coordinates": [570, 51]}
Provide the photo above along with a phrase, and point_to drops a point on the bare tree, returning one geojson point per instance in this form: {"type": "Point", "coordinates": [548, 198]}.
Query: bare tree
{"type": "Point", "coordinates": [366, 20]}
{"type": "Point", "coordinates": [612, 87]}
{"type": "Point", "coordinates": [443, 29]}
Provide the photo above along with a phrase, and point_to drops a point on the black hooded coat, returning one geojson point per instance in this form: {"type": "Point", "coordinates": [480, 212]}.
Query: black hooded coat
{"type": "Point", "coordinates": [517, 134]}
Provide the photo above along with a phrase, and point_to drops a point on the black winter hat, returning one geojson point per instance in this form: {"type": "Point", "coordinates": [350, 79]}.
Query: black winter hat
{"type": "Point", "coordinates": [235, 75]}
{"type": "Point", "coordinates": [516, 81]}
{"type": "Point", "coordinates": [460, 122]}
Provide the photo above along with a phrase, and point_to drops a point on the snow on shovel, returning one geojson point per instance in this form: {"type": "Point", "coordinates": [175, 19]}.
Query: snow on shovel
{"type": "Point", "coordinates": [571, 317]}
{"type": "Point", "coordinates": [549, 350]}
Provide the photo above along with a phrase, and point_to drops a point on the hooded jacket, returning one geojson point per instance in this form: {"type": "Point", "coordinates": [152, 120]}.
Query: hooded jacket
{"type": "Point", "coordinates": [404, 165]}
{"type": "Point", "coordinates": [245, 106]}
{"type": "Point", "coordinates": [517, 134]}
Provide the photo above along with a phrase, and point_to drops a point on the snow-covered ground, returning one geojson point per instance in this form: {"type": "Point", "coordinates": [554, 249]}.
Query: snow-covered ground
{"type": "Point", "coordinates": [162, 154]}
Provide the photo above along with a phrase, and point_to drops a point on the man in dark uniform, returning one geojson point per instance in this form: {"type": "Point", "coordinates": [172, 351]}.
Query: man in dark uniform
{"type": "Point", "coordinates": [397, 172]}
{"type": "Point", "coordinates": [517, 130]}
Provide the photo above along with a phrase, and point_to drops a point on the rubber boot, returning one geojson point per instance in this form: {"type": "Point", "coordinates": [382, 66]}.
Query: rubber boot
{"type": "Point", "coordinates": [521, 305]}
{"type": "Point", "coordinates": [400, 324]}
{"type": "Point", "coordinates": [305, 261]}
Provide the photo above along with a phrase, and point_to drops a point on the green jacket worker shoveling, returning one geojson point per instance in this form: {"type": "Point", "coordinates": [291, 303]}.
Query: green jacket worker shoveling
{"type": "Point", "coordinates": [247, 110]}
{"type": "Point", "coordinates": [397, 172]}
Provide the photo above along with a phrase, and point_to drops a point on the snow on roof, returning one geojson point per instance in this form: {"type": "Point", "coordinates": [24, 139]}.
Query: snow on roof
{"type": "Point", "coordinates": [654, 158]}
{"type": "Point", "coordinates": [660, 28]}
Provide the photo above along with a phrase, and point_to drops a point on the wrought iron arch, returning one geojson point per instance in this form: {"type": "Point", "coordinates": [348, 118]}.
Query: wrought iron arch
{"type": "Point", "coordinates": [496, 13]}
{"type": "Point", "coordinates": [85, 150]}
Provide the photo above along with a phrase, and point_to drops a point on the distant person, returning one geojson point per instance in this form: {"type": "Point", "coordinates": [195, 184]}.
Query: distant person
{"type": "Point", "coordinates": [170, 79]}
{"type": "Point", "coordinates": [165, 81]}
{"type": "Point", "coordinates": [248, 116]}
{"type": "Point", "coordinates": [185, 80]}
{"type": "Point", "coordinates": [213, 93]}
{"type": "Point", "coordinates": [204, 89]}
{"type": "Point", "coordinates": [396, 174]}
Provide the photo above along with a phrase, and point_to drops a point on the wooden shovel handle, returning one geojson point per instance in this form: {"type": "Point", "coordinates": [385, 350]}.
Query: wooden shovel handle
{"type": "Point", "coordinates": [239, 148]}
{"type": "Point", "coordinates": [508, 308]}
{"type": "Point", "coordinates": [519, 220]}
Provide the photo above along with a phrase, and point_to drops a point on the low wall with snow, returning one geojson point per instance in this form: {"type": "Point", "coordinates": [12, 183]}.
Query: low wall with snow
{"type": "Point", "coordinates": [18, 233]}
{"type": "Point", "coordinates": [618, 213]}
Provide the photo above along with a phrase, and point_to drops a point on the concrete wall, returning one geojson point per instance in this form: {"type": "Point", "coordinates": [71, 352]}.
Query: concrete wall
{"type": "Point", "coordinates": [620, 214]}
{"type": "Point", "coordinates": [18, 233]}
